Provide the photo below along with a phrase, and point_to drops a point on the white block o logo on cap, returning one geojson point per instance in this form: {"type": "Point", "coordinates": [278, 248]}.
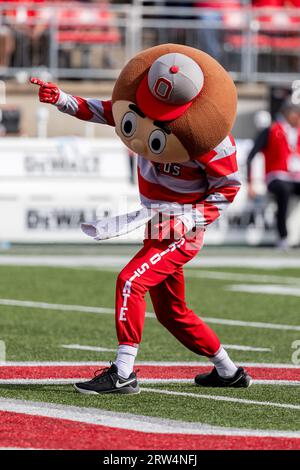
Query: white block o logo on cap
{"type": "Point", "coordinates": [175, 79]}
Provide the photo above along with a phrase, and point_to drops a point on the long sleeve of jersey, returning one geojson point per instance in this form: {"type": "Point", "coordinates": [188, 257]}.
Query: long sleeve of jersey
{"type": "Point", "coordinates": [221, 170]}
{"type": "Point", "coordinates": [87, 109]}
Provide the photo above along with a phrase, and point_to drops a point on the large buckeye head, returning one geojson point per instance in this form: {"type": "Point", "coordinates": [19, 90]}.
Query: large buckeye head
{"type": "Point", "coordinates": [173, 103]}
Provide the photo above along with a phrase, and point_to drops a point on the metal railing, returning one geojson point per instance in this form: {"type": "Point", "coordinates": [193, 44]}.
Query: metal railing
{"type": "Point", "coordinates": [80, 41]}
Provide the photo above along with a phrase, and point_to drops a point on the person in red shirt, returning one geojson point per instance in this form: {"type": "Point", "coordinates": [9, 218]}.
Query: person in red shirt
{"type": "Point", "coordinates": [281, 148]}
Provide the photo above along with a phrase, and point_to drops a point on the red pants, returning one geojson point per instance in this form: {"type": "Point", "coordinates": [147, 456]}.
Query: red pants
{"type": "Point", "coordinates": [157, 268]}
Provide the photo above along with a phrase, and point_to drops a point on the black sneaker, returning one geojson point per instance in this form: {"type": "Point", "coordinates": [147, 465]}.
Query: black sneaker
{"type": "Point", "coordinates": [108, 381]}
{"type": "Point", "coordinates": [213, 379]}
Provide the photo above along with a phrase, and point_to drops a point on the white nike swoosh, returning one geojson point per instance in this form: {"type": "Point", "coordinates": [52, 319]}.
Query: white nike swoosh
{"type": "Point", "coordinates": [124, 384]}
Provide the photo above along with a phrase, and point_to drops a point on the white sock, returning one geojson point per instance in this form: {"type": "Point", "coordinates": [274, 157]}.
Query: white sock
{"type": "Point", "coordinates": [125, 360]}
{"type": "Point", "coordinates": [224, 365]}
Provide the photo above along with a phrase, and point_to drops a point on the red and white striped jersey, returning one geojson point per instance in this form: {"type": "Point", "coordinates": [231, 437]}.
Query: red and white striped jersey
{"type": "Point", "coordinates": [282, 153]}
{"type": "Point", "coordinates": [202, 188]}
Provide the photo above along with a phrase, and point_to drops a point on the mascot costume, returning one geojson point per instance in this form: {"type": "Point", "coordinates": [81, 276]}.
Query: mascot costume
{"type": "Point", "coordinates": [174, 106]}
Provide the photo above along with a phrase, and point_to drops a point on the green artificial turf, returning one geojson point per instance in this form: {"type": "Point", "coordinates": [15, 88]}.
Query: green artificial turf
{"type": "Point", "coordinates": [33, 334]}
{"type": "Point", "coordinates": [181, 408]}
{"type": "Point", "coordinates": [36, 334]}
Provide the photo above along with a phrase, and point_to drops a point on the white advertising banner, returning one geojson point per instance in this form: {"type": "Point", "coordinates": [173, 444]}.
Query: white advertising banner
{"type": "Point", "coordinates": [48, 187]}
{"type": "Point", "coordinates": [68, 157]}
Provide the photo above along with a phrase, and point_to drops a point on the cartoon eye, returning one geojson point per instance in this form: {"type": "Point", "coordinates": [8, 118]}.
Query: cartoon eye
{"type": "Point", "coordinates": [128, 125]}
{"type": "Point", "coordinates": [157, 141]}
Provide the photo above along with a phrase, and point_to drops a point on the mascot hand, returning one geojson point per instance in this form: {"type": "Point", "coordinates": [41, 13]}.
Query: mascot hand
{"type": "Point", "coordinates": [171, 228]}
{"type": "Point", "coordinates": [49, 92]}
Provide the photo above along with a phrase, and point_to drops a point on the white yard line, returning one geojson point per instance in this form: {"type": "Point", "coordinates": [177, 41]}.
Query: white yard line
{"type": "Point", "coordinates": [62, 307]}
{"type": "Point", "coordinates": [199, 363]}
{"type": "Point", "coordinates": [277, 382]}
{"type": "Point", "coordinates": [227, 276]}
{"type": "Point", "coordinates": [130, 421]}
{"type": "Point", "coordinates": [250, 324]}
{"type": "Point", "coordinates": [141, 381]}
{"type": "Point", "coordinates": [66, 261]}
{"type": "Point", "coordinates": [110, 311]}
{"type": "Point", "coordinates": [62, 261]}
{"type": "Point", "coordinates": [222, 398]}
{"type": "Point", "coordinates": [51, 306]}
{"type": "Point", "coordinates": [255, 261]}
{"type": "Point", "coordinates": [81, 347]}
{"type": "Point", "coordinates": [265, 289]}
{"type": "Point", "coordinates": [240, 347]}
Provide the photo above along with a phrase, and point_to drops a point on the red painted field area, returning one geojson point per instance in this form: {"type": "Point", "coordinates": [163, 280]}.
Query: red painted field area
{"type": "Point", "coordinates": [24, 428]}
{"type": "Point", "coordinates": [145, 372]}
{"type": "Point", "coordinates": [23, 431]}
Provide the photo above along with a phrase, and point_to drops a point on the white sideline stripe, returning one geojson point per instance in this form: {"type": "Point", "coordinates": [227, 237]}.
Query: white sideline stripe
{"type": "Point", "coordinates": [264, 262]}
{"type": "Point", "coordinates": [267, 289]}
{"type": "Point", "coordinates": [267, 365]}
{"type": "Point", "coordinates": [86, 348]}
{"type": "Point", "coordinates": [110, 311]}
{"type": "Point", "coordinates": [227, 276]}
{"type": "Point", "coordinates": [222, 398]}
{"type": "Point", "coordinates": [39, 381]}
{"type": "Point", "coordinates": [141, 381]}
{"type": "Point", "coordinates": [130, 421]}
{"type": "Point", "coordinates": [20, 448]}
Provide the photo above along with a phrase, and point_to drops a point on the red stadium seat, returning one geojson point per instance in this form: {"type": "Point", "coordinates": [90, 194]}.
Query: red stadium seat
{"type": "Point", "coordinates": [85, 26]}
{"type": "Point", "coordinates": [286, 44]}
{"type": "Point", "coordinates": [237, 41]}
{"type": "Point", "coordinates": [88, 37]}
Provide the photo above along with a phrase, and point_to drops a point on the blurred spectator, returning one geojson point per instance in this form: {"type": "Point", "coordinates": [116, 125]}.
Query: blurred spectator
{"type": "Point", "coordinates": [28, 21]}
{"type": "Point", "coordinates": [30, 31]}
{"type": "Point", "coordinates": [175, 34]}
{"type": "Point", "coordinates": [210, 37]}
{"type": "Point", "coordinates": [274, 17]}
{"type": "Point", "coordinates": [278, 95]}
{"type": "Point", "coordinates": [10, 120]}
{"type": "Point", "coordinates": [83, 28]}
{"type": "Point", "coordinates": [7, 45]}
{"type": "Point", "coordinates": [262, 121]}
{"type": "Point", "coordinates": [281, 149]}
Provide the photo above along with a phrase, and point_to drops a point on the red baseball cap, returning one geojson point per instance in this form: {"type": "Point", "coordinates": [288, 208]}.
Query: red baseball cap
{"type": "Point", "coordinates": [169, 88]}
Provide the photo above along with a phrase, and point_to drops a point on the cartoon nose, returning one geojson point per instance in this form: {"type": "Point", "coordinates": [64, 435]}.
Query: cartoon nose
{"type": "Point", "coordinates": [138, 146]}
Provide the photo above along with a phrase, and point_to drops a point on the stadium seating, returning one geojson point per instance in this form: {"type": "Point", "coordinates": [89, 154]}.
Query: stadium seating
{"type": "Point", "coordinates": [47, 33]}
